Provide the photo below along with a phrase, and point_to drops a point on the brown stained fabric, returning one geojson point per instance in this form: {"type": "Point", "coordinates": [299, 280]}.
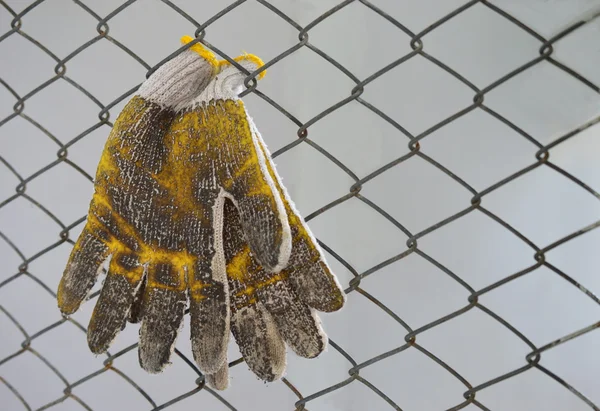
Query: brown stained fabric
{"type": "Point", "coordinates": [297, 324]}
{"type": "Point", "coordinates": [311, 285]}
{"type": "Point", "coordinates": [115, 299]}
{"type": "Point", "coordinates": [215, 142]}
{"type": "Point", "coordinates": [158, 196]}
{"type": "Point", "coordinates": [216, 157]}
{"type": "Point", "coordinates": [220, 379]}
{"type": "Point", "coordinates": [81, 273]}
{"type": "Point", "coordinates": [265, 310]}
{"type": "Point", "coordinates": [162, 311]}
{"type": "Point", "coordinates": [209, 326]}
{"type": "Point", "coordinates": [157, 209]}
{"type": "Point", "coordinates": [307, 271]}
{"type": "Point", "coordinates": [132, 217]}
{"type": "Point", "coordinates": [157, 213]}
{"type": "Point", "coordinates": [104, 232]}
{"type": "Point", "coordinates": [261, 345]}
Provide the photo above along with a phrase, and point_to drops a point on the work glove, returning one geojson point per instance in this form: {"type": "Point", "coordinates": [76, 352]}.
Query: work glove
{"type": "Point", "coordinates": [144, 216]}
{"type": "Point", "coordinates": [213, 157]}
{"type": "Point", "coordinates": [269, 308]}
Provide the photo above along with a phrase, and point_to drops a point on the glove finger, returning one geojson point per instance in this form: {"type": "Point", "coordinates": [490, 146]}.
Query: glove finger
{"type": "Point", "coordinates": [209, 328]}
{"type": "Point", "coordinates": [297, 324]}
{"type": "Point", "coordinates": [253, 328]}
{"type": "Point", "coordinates": [209, 298]}
{"type": "Point", "coordinates": [162, 309]}
{"type": "Point", "coordinates": [262, 347]}
{"type": "Point", "coordinates": [83, 267]}
{"type": "Point", "coordinates": [209, 317]}
{"type": "Point", "coordinates": [316, 286]}
{"type": "Point", "coordinates": [295, 321]}
{"type": "Point", "coordinates": [220, 379]}
{"type": "Point", "coordinates": [108, 319]}
{"type": "Point", "coordinates": [307, 269]}
{"type": "Point", "coordinates": [262, 215]}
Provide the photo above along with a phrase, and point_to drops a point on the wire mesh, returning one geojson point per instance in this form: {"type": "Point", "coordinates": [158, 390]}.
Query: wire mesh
{"type": "Point", "coordinates": [411, 340]}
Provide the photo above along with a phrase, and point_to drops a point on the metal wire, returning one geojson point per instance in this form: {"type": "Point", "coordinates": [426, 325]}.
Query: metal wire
{"type": "Point", "coordinates": [417, 44]}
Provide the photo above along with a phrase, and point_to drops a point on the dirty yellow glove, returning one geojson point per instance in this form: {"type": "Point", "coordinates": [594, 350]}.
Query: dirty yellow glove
{"type": "Point", "coordinates": [215, 157]}
{"type": "Point", "coordinates": [146, 216]}
{"type": "Point", "coordinates": [270, 310]}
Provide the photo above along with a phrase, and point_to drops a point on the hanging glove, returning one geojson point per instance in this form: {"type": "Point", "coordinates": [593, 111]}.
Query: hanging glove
{"type": "Point", "coordinates": [213, 156]}
{"type": "Point", "coordinates": [142, 216]}
{"type": "Point", "coordinates": [270, 309]}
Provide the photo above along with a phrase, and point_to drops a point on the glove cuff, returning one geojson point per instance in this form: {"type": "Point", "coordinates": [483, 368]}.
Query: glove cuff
{"type": "Point", "coordinates": [202, 51]}
{"type": "Point", "coordinates": [228, 83]}
{"type": "Point", "coordinates": [181, 78]}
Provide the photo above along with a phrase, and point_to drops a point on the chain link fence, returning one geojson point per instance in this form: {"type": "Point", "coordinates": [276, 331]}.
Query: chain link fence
{"type": "Point", "coordinates": [471, 392]}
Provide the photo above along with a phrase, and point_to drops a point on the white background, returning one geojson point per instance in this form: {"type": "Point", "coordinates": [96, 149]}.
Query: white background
{"type": "Point", "coordinates": [543, 205]}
